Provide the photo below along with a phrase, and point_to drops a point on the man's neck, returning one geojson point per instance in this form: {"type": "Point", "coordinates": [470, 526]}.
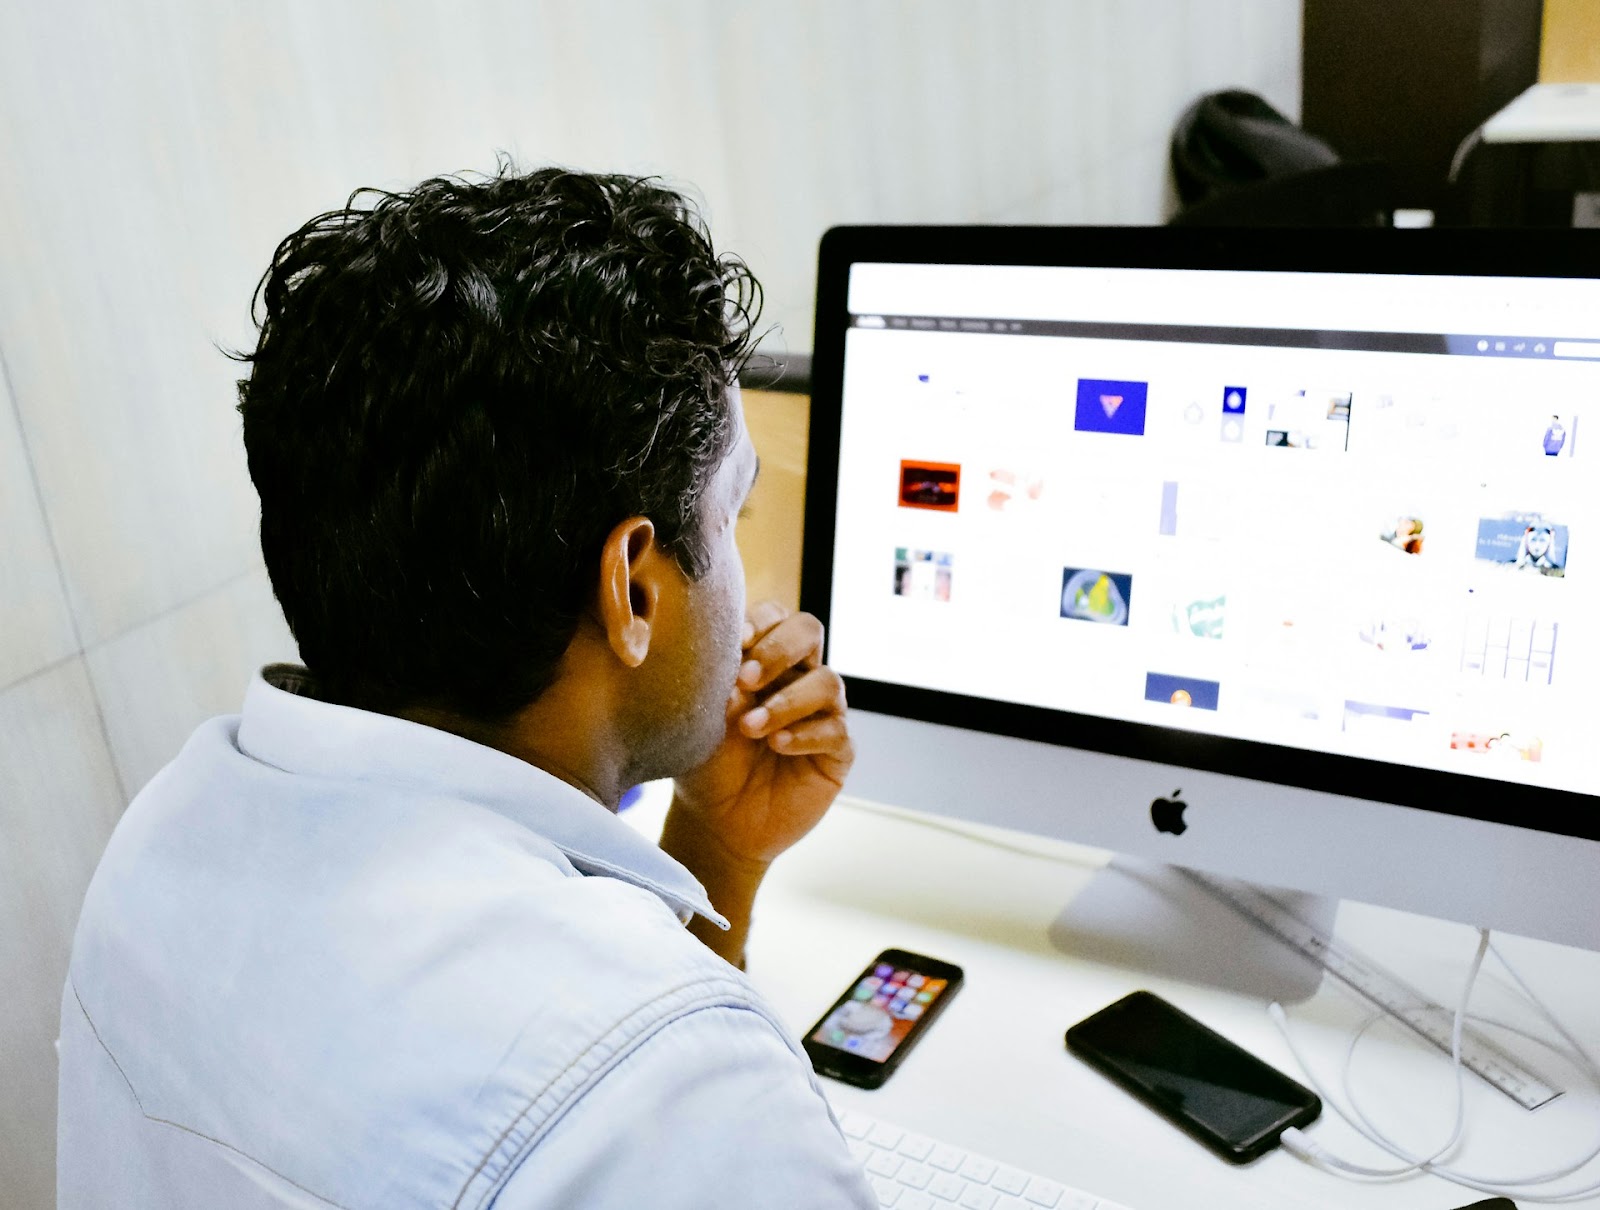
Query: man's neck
{"type": "Point", "coordinates": [567, 739]}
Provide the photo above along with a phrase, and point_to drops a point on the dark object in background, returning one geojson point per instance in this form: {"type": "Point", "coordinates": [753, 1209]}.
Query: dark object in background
{"type": "Point", "coordinates": [788, 372]}
{"type": "Point", "coordinates": [1229, 140]}
{"type": "Point", "coordinates": [1404, 84]}
{"type": "Point", "coordinates": [1531, 183]}
{"type": "Point", "coordinates": [1238, 162]}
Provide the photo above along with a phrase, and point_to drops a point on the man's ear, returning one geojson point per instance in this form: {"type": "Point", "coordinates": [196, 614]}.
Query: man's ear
{"type": "Point", "coordinates": [631, 565]}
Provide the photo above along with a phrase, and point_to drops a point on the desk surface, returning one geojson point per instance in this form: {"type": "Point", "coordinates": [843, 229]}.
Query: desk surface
{"type": "Point", "coordinates": [993, 1075]}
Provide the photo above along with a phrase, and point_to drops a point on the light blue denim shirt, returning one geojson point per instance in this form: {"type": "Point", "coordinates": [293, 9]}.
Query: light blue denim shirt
{"type": "Point", "coordinates": [333, 958]}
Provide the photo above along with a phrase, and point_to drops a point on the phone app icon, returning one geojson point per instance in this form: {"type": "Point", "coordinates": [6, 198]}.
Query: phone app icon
{"type": "Point", "coordinates": [880, 1001]}
{"type": "Point", "coordinates": [912, 1012]}
{"type": "Point", "coordinates": [836, 1036]}
{"type": "Point", "coordinates": [915, 980]}
{"type": "Point", "coordinates": [934, 985]}
{"type": "Point", "coordinates": [924, 997]}
{"type": "Point", "coordinates": [883, 970]}
{"type": "Point", "coordinates": [863, 993]}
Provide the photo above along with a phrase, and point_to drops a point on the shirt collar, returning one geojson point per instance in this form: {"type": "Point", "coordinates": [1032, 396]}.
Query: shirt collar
{"type": "Point", "coordinates": [285, 726]}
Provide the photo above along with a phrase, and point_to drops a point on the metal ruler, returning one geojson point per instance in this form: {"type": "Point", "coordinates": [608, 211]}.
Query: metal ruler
{"type": "Point", "coordinates": [1386, 991]}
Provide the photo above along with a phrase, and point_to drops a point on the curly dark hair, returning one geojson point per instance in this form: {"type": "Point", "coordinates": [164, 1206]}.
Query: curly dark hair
{"type": "Point", "coordinates": [457, 393]}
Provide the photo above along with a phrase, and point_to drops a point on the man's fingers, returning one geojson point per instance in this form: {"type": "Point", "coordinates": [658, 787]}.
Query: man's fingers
{"type": "Point", "coordinates": [793, 642]}
{"type": "Point", "coordinates": [760, 618]}
{"type": "Point", "coordinates": [826, 736]}
{"type": "Point", "coordinates": [817, 692]}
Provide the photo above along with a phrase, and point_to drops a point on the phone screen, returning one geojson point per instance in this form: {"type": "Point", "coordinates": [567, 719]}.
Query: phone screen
{"type": "Point", "coordinates": [873, 1026]}
{"type": "Point", "coordinates": [880, 1011]}
{"type": "Point", "coordinates": [1193, 1076]}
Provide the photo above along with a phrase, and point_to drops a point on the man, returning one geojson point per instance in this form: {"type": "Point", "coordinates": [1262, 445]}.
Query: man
{"type": "Point", "coordinates": [380, 940]}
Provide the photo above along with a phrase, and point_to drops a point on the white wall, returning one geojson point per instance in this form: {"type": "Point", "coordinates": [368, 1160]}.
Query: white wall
{"type": "Point", "coordinates": [154, 153]}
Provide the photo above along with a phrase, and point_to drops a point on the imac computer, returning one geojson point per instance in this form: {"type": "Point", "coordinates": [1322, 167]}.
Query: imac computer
{"type": "Point", "coordinates": [1269, 554]}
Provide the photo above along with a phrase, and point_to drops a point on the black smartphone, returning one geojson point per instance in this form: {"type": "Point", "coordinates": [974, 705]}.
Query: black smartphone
{"type": "Point", "coordinates": [1191, 1075]}
{"type": "Point", "coordinates": [870, 1029]}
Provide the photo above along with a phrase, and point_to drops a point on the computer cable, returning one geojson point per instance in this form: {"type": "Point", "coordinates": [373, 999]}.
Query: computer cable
{"type": "Point", "coordinates": [1463, 150]}
{"type": "Point", "coordinates": [1296, 1142]}
{"type": "Point", "coordinates": [1529, 1179]}
{"type": "Point", "coordinates": [1524, 1187]}
{"type": "Point", "coordinates": [1577, 1053]}
{"type": "Point", "coordinates": [1036, 848]}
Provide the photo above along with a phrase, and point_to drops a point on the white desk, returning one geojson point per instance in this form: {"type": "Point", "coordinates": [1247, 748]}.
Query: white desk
{"type": "Point", "coordinates": [993, 1075]}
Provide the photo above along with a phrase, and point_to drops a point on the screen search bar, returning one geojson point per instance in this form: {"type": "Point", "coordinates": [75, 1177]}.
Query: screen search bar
{"type": "Point", "coordinates": [1576, 348]}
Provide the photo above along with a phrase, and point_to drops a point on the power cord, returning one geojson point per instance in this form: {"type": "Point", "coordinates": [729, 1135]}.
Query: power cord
{"type": "Point", "coordinates": [1296, 1142]}
{"type": "Point", "coordinates": [984, 837]}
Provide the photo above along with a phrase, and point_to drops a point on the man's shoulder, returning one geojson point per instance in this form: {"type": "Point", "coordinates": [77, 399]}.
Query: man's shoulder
{"type": "Point", "coordinates": [420, 976]}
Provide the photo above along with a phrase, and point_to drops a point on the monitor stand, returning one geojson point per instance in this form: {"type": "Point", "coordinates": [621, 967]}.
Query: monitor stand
{"type": "Point", "coordinates": [1152, 918]}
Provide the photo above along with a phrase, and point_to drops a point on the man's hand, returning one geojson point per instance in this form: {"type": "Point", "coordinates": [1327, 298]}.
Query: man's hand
{"type": "Point", "coordinates": [780, 766]}
{"type": "Point", "coordinates": [787, 748]}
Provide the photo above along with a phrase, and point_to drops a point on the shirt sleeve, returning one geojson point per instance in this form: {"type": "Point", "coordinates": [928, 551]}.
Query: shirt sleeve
{"type": "Point", "coordinates": [712, 1112]}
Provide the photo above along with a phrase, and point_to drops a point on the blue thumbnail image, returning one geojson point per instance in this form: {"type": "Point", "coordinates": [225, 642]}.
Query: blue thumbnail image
{"type": "Point", "coordinates": [1524, 541]}
{"type": "Point", "coordinates": [1181, 690]}
{"type": "Point", "coordinates": [1091, 595]}
{"type": "Point", "coordinates": [1372, 710]}
{"type": "Point", "coordinates": [1233, 400]}
{"type": "Point", "coordinates": [1107, 405]}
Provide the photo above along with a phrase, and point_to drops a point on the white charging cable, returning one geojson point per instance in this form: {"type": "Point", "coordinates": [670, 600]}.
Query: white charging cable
{"type": "Point", "coordinates": [1298, 1143]}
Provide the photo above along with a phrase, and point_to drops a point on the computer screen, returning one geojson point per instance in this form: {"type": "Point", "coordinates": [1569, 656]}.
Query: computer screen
{"type": "Point", "coordinates": [1297, 520]}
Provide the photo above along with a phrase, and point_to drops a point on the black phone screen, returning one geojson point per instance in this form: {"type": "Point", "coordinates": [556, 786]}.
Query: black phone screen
{"type": "Point", "coordinates": [1192, 1075]}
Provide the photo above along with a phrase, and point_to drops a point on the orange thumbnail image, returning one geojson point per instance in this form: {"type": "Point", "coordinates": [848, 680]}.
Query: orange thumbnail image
{"type": "Point", "coordinates": [1404, 534]}
{"type": "Point", "coordinates": [1503, 743]}
{"type": "Point", "coordinates": [1006, 487]}
{"type": "Point", "coordinates": [935, 485]}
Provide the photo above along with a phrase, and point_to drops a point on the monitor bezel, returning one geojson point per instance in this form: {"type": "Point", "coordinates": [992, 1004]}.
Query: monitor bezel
{"type": "Point", "coordinates": [1547, 253]}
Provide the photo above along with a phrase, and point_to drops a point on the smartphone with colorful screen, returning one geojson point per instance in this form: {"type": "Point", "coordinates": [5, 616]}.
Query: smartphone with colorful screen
{"type": "Point", "coordinates": [871, 1028]}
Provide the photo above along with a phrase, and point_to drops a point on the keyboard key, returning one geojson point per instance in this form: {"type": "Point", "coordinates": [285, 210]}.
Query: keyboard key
{"type": "Point", "coordinates": [887, 1192]}
{"type": "Point", "coordinates": [884, 1163]}
{"type": "Point", "coordinates": [885, 1135]}
{"type": "Point", "coordinates": [913, 1172]}
{"type": "Point", "coordinates": [947, 1186]}
{"type": "Point", "coordinates": [978, 1169]}
{"type": "Point", "coordinates": [1041, 1192]}
{"type": "Point", "coordinates": [1009, 1180]}
{"type": "Point", "coordinates": [915, 1147]}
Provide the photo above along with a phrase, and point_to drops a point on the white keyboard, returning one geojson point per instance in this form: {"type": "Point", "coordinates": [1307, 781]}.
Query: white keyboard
{"type": "Point", "coordinates": [913, 1172]}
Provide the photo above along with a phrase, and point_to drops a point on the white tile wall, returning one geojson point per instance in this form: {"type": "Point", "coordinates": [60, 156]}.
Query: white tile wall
{"type": "Point", "coordinates": [154, 155]}
{"type": "Point", "coordinates": [158, 681]}
{"type": "Point", "coordinates": [35, 626]}
{"type": "Point", "coordinates": [125, 407]}
{"type": "Point", "coordinates": [59, 799]}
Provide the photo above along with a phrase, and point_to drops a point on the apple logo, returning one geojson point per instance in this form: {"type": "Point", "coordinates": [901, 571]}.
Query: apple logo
{"type": "Point", "coordinates": [1167, 814]}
